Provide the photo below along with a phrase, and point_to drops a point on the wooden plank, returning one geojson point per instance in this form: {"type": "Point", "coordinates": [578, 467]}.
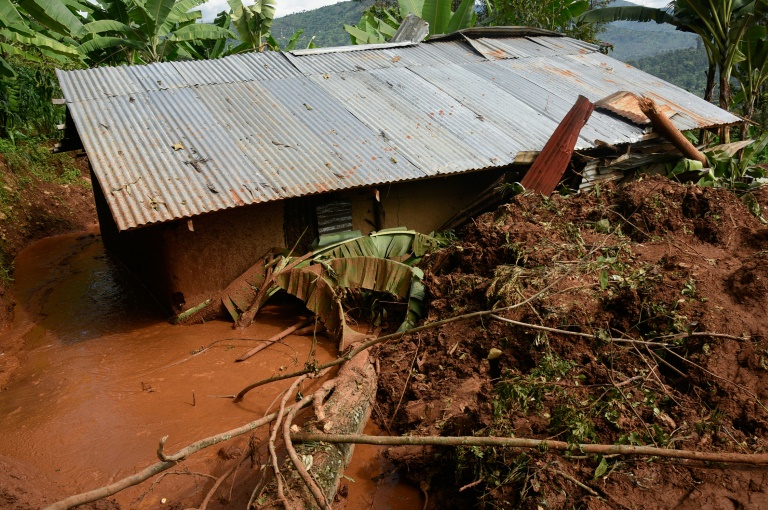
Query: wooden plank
{"type": "Point", "coordinates": [59, 100]}
{"type": "Point", "coordinates": [549, 167]}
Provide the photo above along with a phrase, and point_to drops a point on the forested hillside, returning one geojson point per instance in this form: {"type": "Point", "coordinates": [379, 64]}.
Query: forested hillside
{"type": "Point", "coordinates": [632, 40]}
{"type": "Point", "coordinates": [325, 24]}
{"type": "Point", "coordinates": [686, 68]}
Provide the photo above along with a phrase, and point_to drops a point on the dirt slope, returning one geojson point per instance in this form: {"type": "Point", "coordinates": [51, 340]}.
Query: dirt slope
{"type": "Point", "coordinates": [646, 260]}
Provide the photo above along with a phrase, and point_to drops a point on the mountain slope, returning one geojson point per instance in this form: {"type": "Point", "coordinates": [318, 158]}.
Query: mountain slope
{"type": "Point", "coordinates": [326, 24]}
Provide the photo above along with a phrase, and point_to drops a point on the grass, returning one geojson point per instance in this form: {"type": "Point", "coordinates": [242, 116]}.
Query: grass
{"type": "Point", "coordinates": [24, 166]}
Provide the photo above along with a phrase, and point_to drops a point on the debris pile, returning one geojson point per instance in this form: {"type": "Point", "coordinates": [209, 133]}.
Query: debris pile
{"type": "Point", "coordinates": [641, 322]}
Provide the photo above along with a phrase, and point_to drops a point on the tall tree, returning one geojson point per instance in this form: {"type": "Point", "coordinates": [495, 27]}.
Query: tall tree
{"type": "Point", "coordinates": [721, 25]}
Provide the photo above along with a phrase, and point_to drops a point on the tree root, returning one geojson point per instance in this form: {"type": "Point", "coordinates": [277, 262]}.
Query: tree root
{"type": "Point", "coordinates": [757, 459]}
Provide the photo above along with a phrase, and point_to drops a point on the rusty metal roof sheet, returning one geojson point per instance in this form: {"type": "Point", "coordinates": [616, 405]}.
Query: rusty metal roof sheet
{"type": "Point", "coordinates": [179, 139]}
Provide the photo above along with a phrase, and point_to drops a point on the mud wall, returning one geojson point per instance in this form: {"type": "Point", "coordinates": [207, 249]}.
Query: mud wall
{"type": "Point", "coordinates": [184, 262]}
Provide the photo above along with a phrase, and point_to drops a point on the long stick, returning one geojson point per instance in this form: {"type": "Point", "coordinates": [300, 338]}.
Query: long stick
{"type": "Point", "coordinates": [149, 472]}
{"type": "Point", "coordinates": [518, 442]}
{"type": "Point", "coordinates": [351, 354]}
{"type": "Point", "coordinates": [284, 333]}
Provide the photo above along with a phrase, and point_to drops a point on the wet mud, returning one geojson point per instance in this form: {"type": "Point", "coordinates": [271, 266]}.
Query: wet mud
{"type": "Point", "coordinates": [94, 376]}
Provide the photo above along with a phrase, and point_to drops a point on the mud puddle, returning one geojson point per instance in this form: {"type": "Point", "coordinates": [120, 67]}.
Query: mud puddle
{"type": "Point", "coordinates": [102, 377]}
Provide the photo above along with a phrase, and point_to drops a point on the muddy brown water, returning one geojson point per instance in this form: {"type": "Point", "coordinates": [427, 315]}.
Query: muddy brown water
{"type": "Point", "coordinates": [103, 377]}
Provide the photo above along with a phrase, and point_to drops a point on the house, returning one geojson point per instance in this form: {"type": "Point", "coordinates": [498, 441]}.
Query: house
{"type": "Point", "coordinates": [201, 167]}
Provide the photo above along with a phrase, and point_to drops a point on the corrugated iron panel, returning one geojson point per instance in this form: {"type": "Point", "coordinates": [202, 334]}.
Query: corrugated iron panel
{"type": "Point", "coordinates": [494, 106]}
{"type": "Point", "coordinates": [97, 83]}
{"type": "Point", "coordinates": [329, 63]}
{"type": "Point", "coordinates": [543, 90]}
{"type": "Point", "coordinates": [253, 128]}
{"type": "Point", "coordinates": [426, 143]}
{"type": "Point", "coordinates": [373, 157]}
{"type": "Point", "coordinates": [268, 65]}
{"type": "Point", "coordinates": [551, 164]}
{"type": "Point", "coordinates": [157, 76]}
{"type": "Point", "coordinates": [213, 72]}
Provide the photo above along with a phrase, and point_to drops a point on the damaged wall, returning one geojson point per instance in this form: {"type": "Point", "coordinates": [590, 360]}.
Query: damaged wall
{"type": "Point", "coordinates": [183, 267]}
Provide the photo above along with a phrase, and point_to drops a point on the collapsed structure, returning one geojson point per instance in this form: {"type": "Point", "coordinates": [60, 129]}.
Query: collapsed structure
{"type": "Point", "coordinates": [201, 167]}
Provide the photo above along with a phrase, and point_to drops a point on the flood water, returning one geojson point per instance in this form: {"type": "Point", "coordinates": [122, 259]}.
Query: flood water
{"type": "Point", "coordinates": [104, 376]}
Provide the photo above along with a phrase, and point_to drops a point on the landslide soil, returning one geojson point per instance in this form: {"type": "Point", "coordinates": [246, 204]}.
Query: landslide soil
{"type": "Point", "coordinates": [643, 261]}
{"type": "Point", "coordinates": [41, 195]}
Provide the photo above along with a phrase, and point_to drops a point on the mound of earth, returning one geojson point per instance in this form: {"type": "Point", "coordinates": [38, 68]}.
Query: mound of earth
{"type": "Point", "coordinates": [678, 269]}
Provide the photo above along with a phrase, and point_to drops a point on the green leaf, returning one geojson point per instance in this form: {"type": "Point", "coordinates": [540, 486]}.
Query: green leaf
{"type": "Point", "coordinates": [294, 38]}
{"type": "Point", "coordinates": [105, 42]}
{"type": "Point", "coordinates": [200, 32]}
{"type": "Point", "coordinates": [158, 11]}
{"type": "Point", "coordinates": [437, 13]}
{"type": "Point", "coordinates": [106, 25]}
{"type": "Point", "coordinates": [6, 71]}
{"type": "Point", "coordinates": [411, 7]}
{"type": "Point", "coordinates": [53, 14]}
{"type": "Point", "coordinates": [9, 14]}
{"type": "Point", "coordinates": [603, 279]}
{"type": "Point", "coordinates": [12, 50]}
{"type": "Point", "coordinates": [602, 468]}
{"type": "Point", "coordinates": [463, 16]}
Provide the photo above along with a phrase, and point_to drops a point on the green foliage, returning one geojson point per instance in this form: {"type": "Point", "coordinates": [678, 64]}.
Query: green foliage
{"type": "Point", "coordinates": [325, 25]}
{"type": "Point", "coordinates": [31, 158]}
{"type": "Point", "coordinates": [558, 15]}
{"type": "Point", "coordinates": [735, 171]}
{"type": "Point", "coordinates": [380, 22]}
{"type": "Point", "coordinates": [26, 109]}
{"type": "Point", "coordinates": [682, 67]}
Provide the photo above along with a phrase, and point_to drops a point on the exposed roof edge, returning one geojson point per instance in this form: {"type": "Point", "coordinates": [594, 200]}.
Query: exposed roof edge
{"type": "Point", "coordinates": [347, 49]}
{"type": "Point", "coordinates": [476, 32]}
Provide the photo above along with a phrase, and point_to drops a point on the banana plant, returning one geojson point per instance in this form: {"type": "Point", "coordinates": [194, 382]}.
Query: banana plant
{"type": "Point", "coordinates": [721, 25]}
{"type": "Point", "coordinates": [252, 23]}
{"type": "Point", "coordinates": [383, 261]}
{"type": "Point", "coordinates": [752, 71]}
{"type": "Point", "coordinates": [18, 34]}
{"type": "Point", "coordinates": [438, 13]}
{"type": "Point", "coordinates": [145, 31]}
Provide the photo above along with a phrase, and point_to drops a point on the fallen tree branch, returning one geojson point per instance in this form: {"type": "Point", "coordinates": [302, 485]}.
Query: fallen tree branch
{"type": "Point", "coordinates": [273, 436]}
{"type": "Point", "coordinates": [394, 336]}
{"type": "Point", "coordinates": [758, 459]}
{"type": "Point", "coordinates": [276, 338]}
{"type": "Point", "coordinates": [576, 333]}
{"type": "Point", "coordinates": [317, 493]}
{"type": "Point", "coordinates": [159, 467]}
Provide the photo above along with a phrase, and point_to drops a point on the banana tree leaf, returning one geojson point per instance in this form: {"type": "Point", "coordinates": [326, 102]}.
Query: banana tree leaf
{"type": "Point", "coordinates": [13, 50]}
{"type": "Point", "coordinates": [6, 71]}
{"type": "Point", "coordinates": [293, 40]}
{"type": "Point", "coordinates": [437, 13]}
{"type": "Point", "coordinates": [54, 15]}
{"type": "Point", "coordinates": [180, 13]}
{"type": "Point", "coordinates": [102, 43]}
{"type": "Point", "coordinates": [106, 25]}
{"type": "Point", "coordinates": [411, 7]}
{"type": "Point", "coordinates": [41, 42]}
{"type": "Point", "coordinates": [463, 17]}
{"type": "Point", "coordinates": [158, 11]}
{"type": "Point", "coordinates": [200, 31]}
{"type": "Point", "coordinates": [9, 15]}
{"type": "Point", "coordinates": [316, 284]}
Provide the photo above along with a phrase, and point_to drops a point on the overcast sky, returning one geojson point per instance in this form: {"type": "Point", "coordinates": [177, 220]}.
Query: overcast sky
{"type": "Point", "coordinates": [213, 7]}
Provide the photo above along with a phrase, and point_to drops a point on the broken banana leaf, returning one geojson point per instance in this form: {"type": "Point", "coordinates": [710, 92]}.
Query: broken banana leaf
{"type": "Point", "coordinates": [407, 246]}
{"type": "Point", "coordinates": [395, 244]}
{"type": "Point", "coordinates": [317, 285]}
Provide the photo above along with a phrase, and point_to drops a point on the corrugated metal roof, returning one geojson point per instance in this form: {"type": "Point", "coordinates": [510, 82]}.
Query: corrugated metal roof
{"type": "Point", "coordinates": [179, 139]}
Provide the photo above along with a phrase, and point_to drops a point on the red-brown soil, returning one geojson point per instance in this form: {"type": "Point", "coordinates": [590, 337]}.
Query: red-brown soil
{"type": "Point", "coordinates": [640, 261]}
{"type": "Point", "coordinates": [33, 208]}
